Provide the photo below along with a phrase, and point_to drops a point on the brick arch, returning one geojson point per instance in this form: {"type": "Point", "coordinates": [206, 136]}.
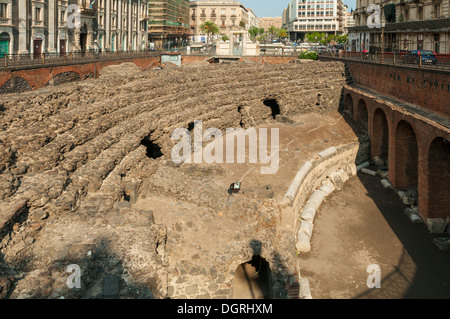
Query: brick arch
{"type": "Point", "coordinates": [348, 103]}
{"type": "Point", "coordinates": [362, 112]}
{"type": "Point", "coordinates": [64, 77]}
{"type": "Point", "coordinates": [439, 178]}
{"type": "Point", "coordinates": [380, 135]}
{"type": "Point", "coordinates": [406, 156]}
{"type": "Point", "coordinates": [15, 84]}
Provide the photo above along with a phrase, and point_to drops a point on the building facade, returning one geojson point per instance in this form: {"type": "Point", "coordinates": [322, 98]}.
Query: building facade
{"type": "Point", "coordinates": [305, 16]}
{"type": "Point", "coordinates": [47, 26]}
{"type": "Point", "coordinates": [408, 25]}
{"type": "Point", "coordinates": [227, 15]}
{"type": "Point", "coordinates": [168, 24]}
{"type": "Point", "coordinates": [267, 22]}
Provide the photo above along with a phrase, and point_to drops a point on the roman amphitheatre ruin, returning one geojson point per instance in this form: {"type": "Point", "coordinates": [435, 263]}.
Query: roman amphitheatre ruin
{"type": "Point", "coordinates": [87, 179]}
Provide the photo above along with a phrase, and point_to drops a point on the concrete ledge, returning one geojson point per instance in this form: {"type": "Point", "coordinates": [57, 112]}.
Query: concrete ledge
{"type": "Point", "coordinates": [327, 169]}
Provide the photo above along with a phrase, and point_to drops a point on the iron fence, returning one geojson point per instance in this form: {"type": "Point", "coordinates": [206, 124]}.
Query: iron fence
{"type": "Point", "coordinates": [414, 54]}
{"type": "Point", "coordinates": [15, 60]}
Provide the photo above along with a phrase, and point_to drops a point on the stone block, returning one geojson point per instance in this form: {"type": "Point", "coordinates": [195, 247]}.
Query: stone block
{"type": "Point", "coordinates": [305, 290]}
{"type": "Point", "coordinates": [306, 227]}
{"type": "Point", "coordinates": [443, 243]}
{"type": "Point", "coordinates": [303, 244]}
{"type": "Point", "coordinates": [436, 225]}
{"type": "Point", "coordinates": [368, 171]}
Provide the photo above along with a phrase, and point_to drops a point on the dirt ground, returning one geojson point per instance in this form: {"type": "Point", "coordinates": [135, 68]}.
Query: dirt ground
{"type": "Point", "coordinates": [364, 224]}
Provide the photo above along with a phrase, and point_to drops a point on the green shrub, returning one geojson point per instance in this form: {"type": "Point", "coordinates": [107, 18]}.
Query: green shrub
{"type": "Point", "coordinates": [311, 55]}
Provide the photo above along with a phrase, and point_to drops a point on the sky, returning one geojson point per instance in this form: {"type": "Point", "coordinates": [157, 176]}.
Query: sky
{"type": "Point", "coordinates": [274, 8]}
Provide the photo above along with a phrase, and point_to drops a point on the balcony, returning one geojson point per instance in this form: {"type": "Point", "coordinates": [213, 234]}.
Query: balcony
{"type": "Point", "coordinates": [5, 21]}
{"type": "Point", "coordinates": [88, 11]}
{"type": "Point", "coordinates": [37, 23]}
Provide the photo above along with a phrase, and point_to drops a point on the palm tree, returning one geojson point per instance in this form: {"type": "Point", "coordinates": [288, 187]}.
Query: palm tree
{"type": "Point", "coordinates": [210, 28]}
{"type": "Point", "coordinates": [272, 32]}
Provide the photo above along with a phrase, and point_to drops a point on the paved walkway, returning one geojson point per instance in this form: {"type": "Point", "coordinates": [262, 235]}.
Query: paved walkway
{"type": "Point", "coordinates": [364, 224]}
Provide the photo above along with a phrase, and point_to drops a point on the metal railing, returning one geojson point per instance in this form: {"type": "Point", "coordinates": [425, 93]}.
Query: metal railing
{"type": "Point", "coordinates": [442, 61]}
{"type": "Point", "coordinates": [405, 53]}
{"type": "Point", "coordinates": [15, 60]}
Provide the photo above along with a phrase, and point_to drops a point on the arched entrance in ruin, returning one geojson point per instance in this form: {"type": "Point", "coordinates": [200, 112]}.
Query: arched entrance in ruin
{"type": "Point", "coordinates": [348, 104]}
{"type": "Point", "coordinates": [439, 178]}
{"type": "Point", "coordinates": [253, 280]}
{"type": "Point", "coordinates": [362, 114]}
{"type": "Point", "coordinates": [380, 136]}
{"type": "Point", "coordinates": [406, 156]}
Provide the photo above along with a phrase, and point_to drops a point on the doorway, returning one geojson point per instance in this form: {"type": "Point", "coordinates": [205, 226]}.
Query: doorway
{"type": "Point", "coordinates": [37, 44]}
{"type": "Point", "coordinates": [253, 280]}
{"type": "Point", "coordinates": [62, 47]}
{"type": "Point", "coordinates": [4, 44]}
{"type": "Point", "coordinates": [83, 42]}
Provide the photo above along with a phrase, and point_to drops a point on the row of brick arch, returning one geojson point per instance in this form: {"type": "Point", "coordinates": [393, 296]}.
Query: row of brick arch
{"type": "Point", "coordinates": [25, 81]}
{"type": "Point", "coordinates": [416, 149]}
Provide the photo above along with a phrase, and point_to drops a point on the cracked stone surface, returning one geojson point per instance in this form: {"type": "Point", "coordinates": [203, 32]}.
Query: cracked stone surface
{"type": "Point", "coordinates": [86, 178]}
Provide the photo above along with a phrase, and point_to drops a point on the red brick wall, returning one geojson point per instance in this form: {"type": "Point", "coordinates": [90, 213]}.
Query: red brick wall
{"type": "Point", "coordinates": [38, 77]}
{"type": "Point", "coordinates": [418, 151]}
{"type": "Point", "coordinates": [427, 88]}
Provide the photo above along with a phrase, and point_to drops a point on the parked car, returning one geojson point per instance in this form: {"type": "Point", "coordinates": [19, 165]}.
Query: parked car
{"type": "Point", "coordinates": [427, 57]}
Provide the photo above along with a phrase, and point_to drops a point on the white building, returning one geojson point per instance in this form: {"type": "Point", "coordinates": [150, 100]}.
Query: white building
{"type": "Point", "coordinates": [305, 16]}
{"type": "Point", "coordinates": [41, 26]}
{"type": "Point", "coordinates": [408, 25]}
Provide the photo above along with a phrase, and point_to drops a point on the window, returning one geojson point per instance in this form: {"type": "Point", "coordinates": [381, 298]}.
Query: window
{"type": "Point", "coordinates": [437, 11]}
{"type": "Point", "coordinates": [224, 12]}
{"type": "Point", "coordinates": [62, 17]}
{"type": "Point", "coordinates": [420, 13]}
{"type": "Point", "coordinates": [3, 10]}
{"type": "Point", "coordinates": [37, 14]}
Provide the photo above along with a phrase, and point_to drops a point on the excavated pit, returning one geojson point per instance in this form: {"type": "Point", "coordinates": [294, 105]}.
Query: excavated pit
{"type": "Point", "coordinates": [94, 182]}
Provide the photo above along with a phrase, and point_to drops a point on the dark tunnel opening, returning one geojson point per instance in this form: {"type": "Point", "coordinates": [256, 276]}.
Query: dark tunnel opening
{"type": "Point", "coordinates": [274, 106]}
{"type": "Point", "coordinates": [153, 149]}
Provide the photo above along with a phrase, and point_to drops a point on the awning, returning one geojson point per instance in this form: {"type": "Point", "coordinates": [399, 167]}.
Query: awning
{"type": "Point", "coordinates": [410, 26]}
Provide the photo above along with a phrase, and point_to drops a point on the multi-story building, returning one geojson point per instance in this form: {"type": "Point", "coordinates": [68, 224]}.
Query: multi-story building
{"type": "Point", "coordinates": [47, 26]}
{"type": "Point", "coordinates": [408, 25]}
{"type": "Point", "coordinates": [253, 20]}
{"type": "Point", "coordinates": [350, 21]}
{"type": "Point", "coordinates": [304, 16]}
{"type": "Point", "coordinates": [267, 22]}
{"type": "Point", "coordinates": [168, 23]}
{"type": "Point", "coordinates": [228, 15]}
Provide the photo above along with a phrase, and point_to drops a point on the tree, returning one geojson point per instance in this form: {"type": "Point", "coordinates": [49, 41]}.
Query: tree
{"type": "Point", "coordinates": [254, 32]}
{"type": "Point", "coordinates": [210, 28]}
{"type": "Point", "coordinates": [272, 33]}
{"type": "Point", "coordinates": [262, 38]}
{"type": "Point", "coordinates": [342, 39]}
{"type": "Point", "coordinates": [315, 37]}
{"type": "Point", "coordinates": [282, 34]}
{"type": "Point", "coordinates": [225, 38]}
{"type": "Point", "coordinates": [242, 24]}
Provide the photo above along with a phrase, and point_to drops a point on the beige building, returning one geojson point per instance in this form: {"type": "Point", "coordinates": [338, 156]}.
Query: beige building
{"type": "Point", "coordinates": [41, 26]}
{"type": "Point", "coordinates": [267, 22]}
{"type": "Point", "coordinates": [227, 15]}
{"type": "Point", "coordinates": [306, 16]}
{"type": "Point", "coordinates": [408, 25]}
